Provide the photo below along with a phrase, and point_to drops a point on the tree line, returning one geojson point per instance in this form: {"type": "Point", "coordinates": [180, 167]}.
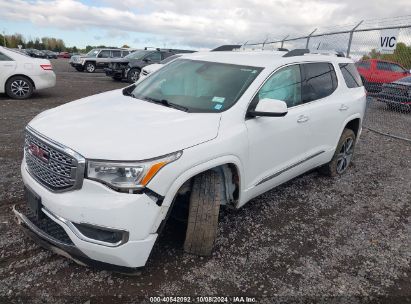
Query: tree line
{"type": "Point", "coordinates": [44, 43]}
{"type": "Point", "coordinates": [401, 55]}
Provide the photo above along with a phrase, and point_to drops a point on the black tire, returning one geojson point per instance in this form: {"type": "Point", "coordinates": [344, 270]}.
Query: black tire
{"type": "Point", "coordinates": [80, 69]}
{"type": "Point", "coordinates": [19, 87]}
{"type": "Point", "coordinates": [117, 78]}
{"type": "Point", "coordinates": [203, 213]}
{"type": "Point", "coordinates": [342, 156]}
{"type": "Point", "coordinates": [90, 67]}
{"type": "Point", "coordinates": [133, 75]}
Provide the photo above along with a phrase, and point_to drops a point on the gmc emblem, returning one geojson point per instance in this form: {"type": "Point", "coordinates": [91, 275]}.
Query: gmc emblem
{"type": "Point", "coordinates": [38, 152]}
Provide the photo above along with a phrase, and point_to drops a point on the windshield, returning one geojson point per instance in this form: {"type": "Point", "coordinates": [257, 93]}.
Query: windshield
{"type": "Point", "coordinates": [92, 53]}
{"type": "Point", "coordinates": [197, 86]}
{"type": "Point", "coordinates": [137, 55]}
{"type": "Point", "coordinates": [405, 79]}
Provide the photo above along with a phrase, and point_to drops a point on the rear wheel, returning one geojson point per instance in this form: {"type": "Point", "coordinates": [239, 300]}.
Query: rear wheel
{"type": "Point", "coordinates": [342, 156]}
{"type": "Point", "coordinates": [19, 87]}
{"type": "Point", "coordinates": [203, 213]}
{"type": "Point", "coordinates": [90, 67]}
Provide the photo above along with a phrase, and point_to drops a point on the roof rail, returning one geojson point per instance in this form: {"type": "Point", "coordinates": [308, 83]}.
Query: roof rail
{"type": "Point", "coordinates": [296, 52]}
{"type": "Point", "coordinates": [329, 52]}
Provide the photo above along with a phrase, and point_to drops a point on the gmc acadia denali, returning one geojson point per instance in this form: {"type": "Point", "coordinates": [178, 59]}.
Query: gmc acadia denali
{"type": "Point", "coordinates": [103, 173]}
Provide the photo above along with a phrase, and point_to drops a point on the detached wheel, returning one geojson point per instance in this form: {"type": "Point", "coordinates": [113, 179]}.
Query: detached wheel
{"type": "Point", "coordinates": [203, 213]}
{"type": "Point", "coordinates": [90, 67]}
{"type": "Point", "coordinates": [342, 157]}
{"type": "Point", "coordinates": [19, 87]}
{"type": "Point", "coordinates": [133, 75]}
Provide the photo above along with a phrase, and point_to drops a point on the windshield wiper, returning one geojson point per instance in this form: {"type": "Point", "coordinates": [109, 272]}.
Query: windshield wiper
{"type": "Point", "coordinates": [166, 103]}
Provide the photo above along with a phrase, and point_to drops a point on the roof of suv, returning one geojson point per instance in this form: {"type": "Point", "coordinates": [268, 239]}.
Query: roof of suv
{"type": "Point", "coordinates": [262, 58]}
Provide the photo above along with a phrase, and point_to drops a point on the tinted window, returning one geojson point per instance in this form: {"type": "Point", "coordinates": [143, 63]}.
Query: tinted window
{"type": "Point", "coordinates": [319, 81]}
{"type": "Point", "coordinates": [104, 54]}
{"type": "Point", "coordinates": [363, 64]}
{"type": "Point", "coordinates": [283, 85]}
{"type": "Point", "coordinates": [116, 54]}
{"type": "Point", "coordinates": [154, 56]}
{"type": "Point", "coordinates": [125, 53]}
{"type": "Point", "coordinates": [384, 66]}
{"type": "Point", "coordinates": [350, 74]}
{"type": "Point", "coordinates": [396, 68]}
{"type": "Point", "coordinates": [4, 57]}
{"type": "Point", "coordinates": [405, 79]}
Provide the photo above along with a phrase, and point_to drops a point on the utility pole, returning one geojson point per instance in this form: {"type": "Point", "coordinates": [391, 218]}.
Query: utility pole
{"type": "Point", "coordinates": [4, 38]}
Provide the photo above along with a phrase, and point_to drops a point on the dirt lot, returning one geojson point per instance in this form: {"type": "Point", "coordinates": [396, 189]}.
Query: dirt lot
{"type": "Point", "coordinates": [314, 239]}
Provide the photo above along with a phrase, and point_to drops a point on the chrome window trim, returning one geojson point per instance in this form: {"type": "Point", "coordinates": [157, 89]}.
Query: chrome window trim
{"type": "Point", "coordinates": [80, 161]}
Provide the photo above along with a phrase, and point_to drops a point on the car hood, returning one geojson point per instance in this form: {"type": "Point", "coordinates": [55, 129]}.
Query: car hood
{"type": "Point", "coordinates": [117, 127]}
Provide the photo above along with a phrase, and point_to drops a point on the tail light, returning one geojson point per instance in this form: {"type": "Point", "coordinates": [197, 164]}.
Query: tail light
{"type": "Point", "coordinates": [47, 67]}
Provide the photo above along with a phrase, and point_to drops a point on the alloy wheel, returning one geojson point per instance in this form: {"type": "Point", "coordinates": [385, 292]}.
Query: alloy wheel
{"type": "Point", "coordinates": [345, 155]}
{"type": "Point", "coordinates": [135, 76]}
{"type": "Point", "coordinates": [90, 68]}
{"type": "Point", "coordinates": [20, 88]}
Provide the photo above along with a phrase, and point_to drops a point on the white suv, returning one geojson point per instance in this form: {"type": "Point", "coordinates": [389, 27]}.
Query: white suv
{"type": "Point", "coordinates": [102, 174]}
{"type": "Point", "coordinates": [20, 74]}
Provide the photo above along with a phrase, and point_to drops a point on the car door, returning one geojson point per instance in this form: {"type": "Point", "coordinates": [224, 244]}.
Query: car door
{"type": "Point", "coordinates": [7, 68]}
{"type": "Point", "coordinates": [154, 57]}
{"type": "Point", "coordinates": [278, 145]}
{"type": "Point", "coordinates": [327, 109]}
{"type": "Point", "coordinates": [103, 58]}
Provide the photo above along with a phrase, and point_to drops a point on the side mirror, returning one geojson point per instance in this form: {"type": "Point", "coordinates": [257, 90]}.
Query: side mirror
{"type": "Point", "coordinates": [269, 107]}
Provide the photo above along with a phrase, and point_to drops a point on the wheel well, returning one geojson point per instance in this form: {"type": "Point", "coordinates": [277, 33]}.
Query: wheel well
{"type": "Point", "coordinates": [231, 188]}
{"type": "Point", "coordinates": [354, 125]}
{"type": "Point", "coordinates": [25, 76]}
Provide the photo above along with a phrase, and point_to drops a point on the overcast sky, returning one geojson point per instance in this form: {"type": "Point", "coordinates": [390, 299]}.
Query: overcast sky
{"type": "Point", "coordinates": [184, 23]}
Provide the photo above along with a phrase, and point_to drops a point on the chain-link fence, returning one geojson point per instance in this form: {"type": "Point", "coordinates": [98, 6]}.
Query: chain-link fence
{"type": "Point", "coordinates": [386, 75]}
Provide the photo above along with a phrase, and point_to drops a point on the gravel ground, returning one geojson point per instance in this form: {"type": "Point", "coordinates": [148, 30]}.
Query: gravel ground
{"type": "Point", "coordinates": [314, 239]}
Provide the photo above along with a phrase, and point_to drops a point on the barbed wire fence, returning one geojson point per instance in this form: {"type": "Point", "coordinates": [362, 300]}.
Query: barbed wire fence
{"type": "Point", "coordinates": [388, 103]}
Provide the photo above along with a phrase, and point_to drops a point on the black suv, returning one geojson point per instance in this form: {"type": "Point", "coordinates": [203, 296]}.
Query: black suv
{"type": "Point", "coordinates": [130, 67]}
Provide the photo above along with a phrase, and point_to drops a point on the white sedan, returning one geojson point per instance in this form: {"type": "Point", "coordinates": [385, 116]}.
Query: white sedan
{"type": "Point", "coordinates": [20, 75]}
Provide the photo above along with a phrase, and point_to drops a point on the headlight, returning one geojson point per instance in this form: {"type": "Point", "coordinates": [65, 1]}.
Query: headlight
{"type": "Point", "coordinates": [128, 176]}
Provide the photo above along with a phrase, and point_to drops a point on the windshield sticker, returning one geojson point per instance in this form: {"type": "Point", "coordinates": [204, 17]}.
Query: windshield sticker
{"type": "Point", "coordinates": [218, 106]}
{"type": "Point", "coordinates": [218, 99]}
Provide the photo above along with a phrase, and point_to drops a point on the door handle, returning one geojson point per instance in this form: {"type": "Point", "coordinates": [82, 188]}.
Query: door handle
{"type": "Point", "coordinates": [302, 118]}
{"type": "Point", "coordinates": [343, 107]}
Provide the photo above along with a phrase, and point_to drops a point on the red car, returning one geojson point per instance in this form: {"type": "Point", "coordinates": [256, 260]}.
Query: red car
{"type": "Point", "coordinates": [375, 72]}
{"type": "Point", "coordinates": [64, 55]}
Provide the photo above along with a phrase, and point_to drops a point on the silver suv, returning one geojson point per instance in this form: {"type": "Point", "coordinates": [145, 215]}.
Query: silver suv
{"type": "Point", "coordinates": [97, 59]}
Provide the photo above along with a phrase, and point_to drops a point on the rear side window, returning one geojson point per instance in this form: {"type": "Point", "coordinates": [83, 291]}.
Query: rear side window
{"type": "Point", "coordinates": [383, 66]}
{"type": "Point", "coordinates": [396, 68]}
{"type": "Point", "coordinates": [363, 64]}
{"type": "Point", "coordinates": [351, 76]}
{"type": "Point", "coordinates": [104, 54]}
{"type": "Point", "coordinates": [116, 54]}
{"type": "Point", "coordinates": [320, 81]}
{"type": "Point", "coordinates": [125, 53]}
{"type": "Point", "coordinates": [4, 57]}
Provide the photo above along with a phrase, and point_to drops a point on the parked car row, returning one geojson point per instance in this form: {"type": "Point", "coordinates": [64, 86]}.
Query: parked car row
{"type": "Point", "coordinates": [388, 81]}
{"type": "Point", "coordinates": [131, 66]}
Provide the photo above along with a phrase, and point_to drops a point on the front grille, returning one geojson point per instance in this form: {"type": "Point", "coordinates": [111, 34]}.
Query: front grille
{"type": "Point", "coordinates": [395, 90]}
{"type": "Point", "coordinates": [47, 225]}
{"type": "Point", "coordinates": [54, 169]}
